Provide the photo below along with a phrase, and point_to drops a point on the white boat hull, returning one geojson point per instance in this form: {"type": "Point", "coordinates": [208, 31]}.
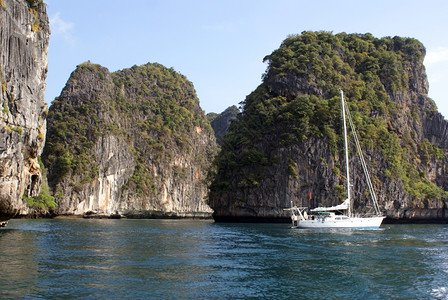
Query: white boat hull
{"type": "Point", "coordinates": [360, 223]}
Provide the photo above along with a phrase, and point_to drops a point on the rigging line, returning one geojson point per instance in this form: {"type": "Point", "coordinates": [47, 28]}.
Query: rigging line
{"type": "Point", "coordinates": [363, 163]}
{"type": "Point", "coordinates": [364, 166]}
{"type": "Point", "coordinates": [365, 169]}
{"type": "Point", "coordinates": [366, 173]}
{"type": "Point", "coordinates": [346, 154]}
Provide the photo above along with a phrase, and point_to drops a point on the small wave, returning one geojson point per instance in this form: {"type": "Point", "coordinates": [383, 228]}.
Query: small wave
{"type": "Point", "coordinates": [440, 293]}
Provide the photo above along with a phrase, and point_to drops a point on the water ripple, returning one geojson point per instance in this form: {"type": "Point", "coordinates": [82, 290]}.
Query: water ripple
{"type": "Point", "coordinates": [172, 259]}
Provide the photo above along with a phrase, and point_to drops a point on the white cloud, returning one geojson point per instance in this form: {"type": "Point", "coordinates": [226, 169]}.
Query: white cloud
{"type": "Point", "coordinates": [437, 56]}
{"type": "Point", "coordinates": [62, 28]}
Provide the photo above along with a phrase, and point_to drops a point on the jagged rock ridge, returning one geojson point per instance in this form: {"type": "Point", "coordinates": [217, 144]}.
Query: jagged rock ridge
{"type": "Point", "coordinates": [221, 122]}
{"type": "Point", "coordinates": [286, 143]}
{"type": "Point", "coordinates": [134, 141]}
{"type": "Point", "coordinates": [24, 37]}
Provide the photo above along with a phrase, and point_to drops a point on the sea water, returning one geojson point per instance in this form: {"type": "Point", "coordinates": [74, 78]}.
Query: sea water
{"type": "Point", "coordinates": [187, 259]}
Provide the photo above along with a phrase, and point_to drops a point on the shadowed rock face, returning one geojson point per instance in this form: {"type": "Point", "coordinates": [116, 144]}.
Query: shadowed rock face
{"type": "Point", "coordinates": [221, 122]}
{"type": "Point", "coordinates": [23, 68]}
{"type": "Point", "coordinates": [134, 142]}
{"type": "Point", "coordinates": [287, 141]}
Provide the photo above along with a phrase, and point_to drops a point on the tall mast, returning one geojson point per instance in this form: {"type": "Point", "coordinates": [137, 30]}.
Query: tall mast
{"type": "Point", "coordinates": [346, 155]}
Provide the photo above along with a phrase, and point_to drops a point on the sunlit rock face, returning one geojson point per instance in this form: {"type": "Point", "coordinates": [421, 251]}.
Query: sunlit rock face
{"type": "Point", "coordinates": [132, 142]}
{"type": "Point", "coordinates": [24, 38]}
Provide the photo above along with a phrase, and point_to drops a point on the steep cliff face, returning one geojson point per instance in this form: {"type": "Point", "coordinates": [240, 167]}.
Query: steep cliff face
{"type": "Point", "coordinates": [24, 37]}
{"type": "Point", "coordinates": [221, 122]}
{"type": "Point", "coordinates": [135, 141]}
{"type": "Point", "coordinates": [286, 145]}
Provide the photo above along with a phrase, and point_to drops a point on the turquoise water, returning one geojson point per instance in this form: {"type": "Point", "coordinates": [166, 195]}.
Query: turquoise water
{"type": "Point", "coordinates": [172, 259]}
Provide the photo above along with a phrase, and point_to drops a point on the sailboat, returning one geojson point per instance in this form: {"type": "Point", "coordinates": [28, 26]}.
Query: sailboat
{"type": "Point", "coordinates": [340, 216]}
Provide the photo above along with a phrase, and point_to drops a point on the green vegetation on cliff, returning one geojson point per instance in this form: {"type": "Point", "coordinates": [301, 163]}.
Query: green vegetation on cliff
{"type": "Point", "coordinates": [44, 201]}
{"type": "Point", "coordinates": [221, 122]}
{"type": "Point", "coordinates": [152, 107]}
{"type": "Point", "coordinates": [384, 82]}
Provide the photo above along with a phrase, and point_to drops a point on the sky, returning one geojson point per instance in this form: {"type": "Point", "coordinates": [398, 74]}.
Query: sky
{"type": "Point", "coordinates": [220, 45]}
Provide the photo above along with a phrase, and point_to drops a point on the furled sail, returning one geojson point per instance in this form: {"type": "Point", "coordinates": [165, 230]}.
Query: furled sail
{"type": "Point", "coordinates": [342, 206]}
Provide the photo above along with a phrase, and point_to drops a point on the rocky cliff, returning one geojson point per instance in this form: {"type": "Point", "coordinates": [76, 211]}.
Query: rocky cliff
{"type": "Point", "coordinates": [24, 37]}
{"type": "Point", "coordinates": [286, 144]}
{"type": "Point", "coordinates": [134, 142]}
{"type": "Point", "coordinates": [221, 122]}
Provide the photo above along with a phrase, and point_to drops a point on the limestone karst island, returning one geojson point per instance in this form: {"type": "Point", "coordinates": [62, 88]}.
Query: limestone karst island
{"type": "Point", "coordinates": [135, 143]}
